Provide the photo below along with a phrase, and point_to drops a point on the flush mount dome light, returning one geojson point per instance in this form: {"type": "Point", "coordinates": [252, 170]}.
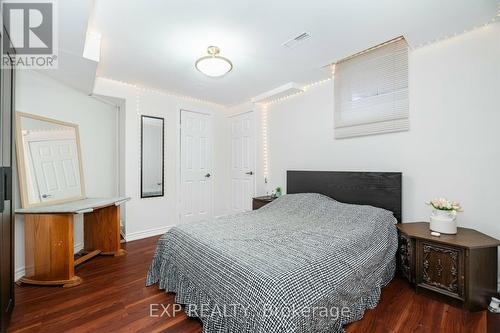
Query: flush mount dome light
{"type": "Point", "coordinates": [213, 65]}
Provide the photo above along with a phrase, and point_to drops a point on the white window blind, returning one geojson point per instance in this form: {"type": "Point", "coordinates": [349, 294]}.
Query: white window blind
{"type": "Point", "coordinates": [371, 91]}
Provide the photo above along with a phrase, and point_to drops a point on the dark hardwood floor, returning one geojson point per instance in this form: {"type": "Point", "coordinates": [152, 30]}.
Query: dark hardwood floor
{"type": "Point", "coordinates": [113, 298]}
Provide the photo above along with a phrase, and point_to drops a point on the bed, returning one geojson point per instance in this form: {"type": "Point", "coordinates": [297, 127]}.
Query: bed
{"type": "Point", "coordinates": [310, 261]}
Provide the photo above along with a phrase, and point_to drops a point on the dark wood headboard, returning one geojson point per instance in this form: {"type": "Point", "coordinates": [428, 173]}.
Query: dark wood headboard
{"type": "Point", "coordinates": [378, 189]}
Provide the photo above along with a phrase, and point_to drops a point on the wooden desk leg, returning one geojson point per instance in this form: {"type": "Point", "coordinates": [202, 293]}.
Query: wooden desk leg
{"type": "Point", "coordinates": [102, 231]}
{"type": "Point", "coordinates": [49, 250]}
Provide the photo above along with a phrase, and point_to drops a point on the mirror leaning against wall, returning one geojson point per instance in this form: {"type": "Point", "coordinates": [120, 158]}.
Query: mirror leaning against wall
{"type": "Point", "coordinates": [49, 158]}
{"type": "Point", "coordinates": [152, 159]}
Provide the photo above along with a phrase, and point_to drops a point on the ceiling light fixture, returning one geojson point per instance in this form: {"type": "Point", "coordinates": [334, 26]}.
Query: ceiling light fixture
{"type": "Point", "coordinates": [213, 65]}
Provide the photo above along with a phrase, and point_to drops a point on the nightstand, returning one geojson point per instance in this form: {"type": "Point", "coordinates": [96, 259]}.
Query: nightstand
{"type": "Point", "coordinates": [261, 201]}
{"type": "Point", "coordinates": [458, 269]}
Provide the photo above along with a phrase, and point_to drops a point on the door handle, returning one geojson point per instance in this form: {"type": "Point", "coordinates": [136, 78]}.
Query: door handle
{"type": "Point", "coordinates": [249, 173]}
{"type": "Point", "coordinates": [45, 196]}
{"type": "Point", "coordinates": [5, 186]}
{"type": "Point", "coordinates": [7, 177]}
{"type": "Point", "coordinates": [2, 194]}
{"type": "Point", "coordinates": [207, 175]}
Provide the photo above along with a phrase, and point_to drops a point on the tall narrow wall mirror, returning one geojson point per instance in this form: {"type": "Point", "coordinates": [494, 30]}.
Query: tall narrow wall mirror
{"type": "Point", "coordinates": [49, 161]}
{"type": "Point", "coordinates": [152, 163]}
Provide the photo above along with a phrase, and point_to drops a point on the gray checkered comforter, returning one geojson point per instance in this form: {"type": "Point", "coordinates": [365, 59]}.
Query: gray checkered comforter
{"type": "Point", "coordinates": [303, 263]}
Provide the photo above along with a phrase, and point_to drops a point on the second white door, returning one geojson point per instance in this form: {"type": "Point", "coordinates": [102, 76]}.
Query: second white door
{"type": "Point", "coordinates": [242, 162]}
{"type": "Point", "coordinates": [196, 166]}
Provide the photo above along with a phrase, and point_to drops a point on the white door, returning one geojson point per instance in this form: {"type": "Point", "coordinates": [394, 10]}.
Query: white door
{"type": "Point", "coordinates": [242, 162]}
{"type": "Point", "coordinates": [56, 169]}
{"type": "Point", "coordinates": [196, 166]}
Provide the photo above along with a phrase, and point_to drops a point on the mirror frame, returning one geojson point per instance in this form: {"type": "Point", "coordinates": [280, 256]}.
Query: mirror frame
{"type": "Point", "coordinates": [162, 156]}
{"type": "Point", "coordinates": [21, 163]}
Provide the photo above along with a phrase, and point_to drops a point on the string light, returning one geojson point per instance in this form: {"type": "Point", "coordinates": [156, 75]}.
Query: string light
{"type": "Point", "coordinates": [264, 123]}
{"type": "Point", "coordinates": [164, 92]}
{"type": "Point", "coordinates": [303, 89]}
{"type": "Point", "coordinates": [138, 90]}
{"type": "Point", "coordinates": [265, 156]}
{"type": "Point", "coordinates": [315, 84]}
{"type": "Point", "coordinates": [442, 38]}
{"type": "Point", "coordinates": [137, 101]}
{"type": "Point", "coordinates": [264, 110]}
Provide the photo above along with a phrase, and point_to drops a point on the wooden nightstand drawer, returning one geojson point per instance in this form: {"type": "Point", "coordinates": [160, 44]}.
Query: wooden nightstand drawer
{"type": "Point", "coordinates": [259, 202]}
{"type": "Point", "coordinates": [440, 268]}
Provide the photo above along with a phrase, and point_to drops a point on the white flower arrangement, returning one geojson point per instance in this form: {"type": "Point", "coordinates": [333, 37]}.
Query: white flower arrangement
{"type": "Point", "coordinates": [446, 205]}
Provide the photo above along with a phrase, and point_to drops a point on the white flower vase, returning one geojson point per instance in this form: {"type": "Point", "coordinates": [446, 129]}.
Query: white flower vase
{"type": "Point", "coordinates": [444, 221]}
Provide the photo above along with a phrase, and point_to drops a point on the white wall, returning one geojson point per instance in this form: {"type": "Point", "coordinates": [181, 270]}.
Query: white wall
{"type": "Point", "coordinates": [41, 95]}
{"type": "Point", "coordinates": [451, 150]}
{"type": "Point", "coordinates": [153, 216]}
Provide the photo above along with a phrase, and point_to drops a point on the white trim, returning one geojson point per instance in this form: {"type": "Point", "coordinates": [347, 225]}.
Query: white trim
{"type": "Point", "coordinates": [77, 247]}
{"type": "Point", "coordinates": [178, 128]}
{"type": "Point", "coordinates": [103, 100]}
{"type": "Point", "coordinates": [256, 141]}
{"type": "Point", "coordinates": [117, 152]}
{"type": "Point", "coordinates": [19, 273]}
{"type": "Point", "coordinates": [238, 114]}
{"type": "Point", "coordinates": [199, 112]}
{"type": "Point", "coordinates": [146, 233]}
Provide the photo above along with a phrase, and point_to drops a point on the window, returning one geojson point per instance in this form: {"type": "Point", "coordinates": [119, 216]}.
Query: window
{"type": "Point", "coordinates": [371, 91]}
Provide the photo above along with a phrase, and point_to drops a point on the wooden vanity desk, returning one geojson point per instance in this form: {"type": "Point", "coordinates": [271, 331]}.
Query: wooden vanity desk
{"type": "Point", "coordinates": [49, 240]}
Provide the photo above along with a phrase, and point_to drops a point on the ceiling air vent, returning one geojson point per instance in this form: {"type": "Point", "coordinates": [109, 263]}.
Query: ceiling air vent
{"type": "Point", "coordinates": [296, 40]}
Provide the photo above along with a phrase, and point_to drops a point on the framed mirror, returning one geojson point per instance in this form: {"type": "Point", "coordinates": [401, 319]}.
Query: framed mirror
{"type": "Point", "coordinates": [152, 162]}
{"type": "Point", "coordinates": [49, 161]}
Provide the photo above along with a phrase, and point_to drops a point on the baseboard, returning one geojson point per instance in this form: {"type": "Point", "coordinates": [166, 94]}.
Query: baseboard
{"type": "Point", "coordinates": [19, 273]}
{"type": "Point", "coordinates": [78, 247]}
{"type": "Point", "coordinates": [146, 233]}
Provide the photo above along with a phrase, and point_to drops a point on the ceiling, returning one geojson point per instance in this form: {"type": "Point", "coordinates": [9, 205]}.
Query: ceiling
{"type": "Point", "coordinates": [156, 42]}
{"type": "Point", "coordinates": [73, 69]}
